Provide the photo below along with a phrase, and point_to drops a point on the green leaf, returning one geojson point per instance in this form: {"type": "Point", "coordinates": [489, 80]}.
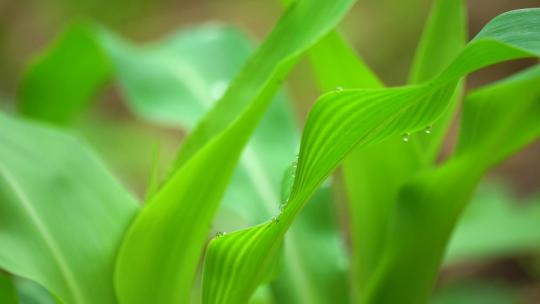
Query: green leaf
{"type": "Point", "coordinates": [444, 37]}
{"type": "Point", "coordinates": [344, 119]}
{"type": "Point", "coordinates": [492, 129]}
{"type": "Point", "coordinates": [59, 83]}
{"type": "Point", "coordinates": [419, 230]}
{"type": "Point", "coordinates": [490, 123]}
{"type": "Point", "coordinates": [8, 294]}
{"type": "Point", "coordinates": [426, 215]}
{"type": "Point", "coordinates": [169, 82]}
{"type": "Point", "coordinates": [62, 224]}
{"type": "Point", "coordinates": [172, 82]}
{"type": "Point", "coordinates": [305, 278]}
{"type": "Point", "coordinates": [389, 163]}
{"type": "Point", "coordinates": [33, 293]}
{"type": "Point", "coordinates": [498, 125]}
{"type": "Point", "coordinates": [336, 65]}
{"type": "Point", "coordinates": [176, 80]}
{"type": "Point", "coordinates": [160, 253]}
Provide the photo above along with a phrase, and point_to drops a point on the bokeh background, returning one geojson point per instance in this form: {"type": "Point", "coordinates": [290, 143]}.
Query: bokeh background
{"type": "Point", "coordinates": [385, 33]}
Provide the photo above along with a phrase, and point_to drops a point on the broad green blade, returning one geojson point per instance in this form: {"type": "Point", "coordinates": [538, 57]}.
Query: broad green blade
{"type": "Point", "coordinates": [389, 163]}
{"type": "Point", "coordinates": [176, 80]}
{"type": "Point", "coordinates": [32, 293]}
{"type": "Point", "coordinates": [496, 225]}
{"type": "Point", "coordinates": [497, 124]}
{"type": "Point", "coordinates": [60, 82]}
{"type": "Point", "coordinates": [8, 293]}
{"type": "Point", "coordinates": [171, 82]}
{"type": "Point", "coordinates": [491, 123]}
{"type": "Point", "coordinates": [305, 279]}
{"type": "Point", "coordinates": [426, 215]}
{"type": "Point", "coordinates": [62, 224]}
{"type": "Point", "coordinates": [236, 263]}
{"type": "Point", "coordinates": [444, 37]}
{"type": "Point", "coordinates": [337, 66]}
{"type": "Point", "coordinates": [418, 232]}
{"type": "Point", "coordinates": [160, 253]}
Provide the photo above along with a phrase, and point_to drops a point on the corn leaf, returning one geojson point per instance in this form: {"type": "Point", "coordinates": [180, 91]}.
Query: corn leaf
{"type": "Point", "coordinates": [175, 81]}
{"type": "Point", "coordinates": [171, 82]}
{"type": "Point", "coordinates": [336, 65]}
{"type": "Point", "coordinates": [32, 293]}
{"type": "Point", "coordinates": [425, 215]}
{"type": "Point", "coordinates": [390, 162]}
{"type": "Point", "coordinates": [341, 120]}
{"type": "Point", "coordinates": [492, 123]}
{"type": "Point", "coordinates": [304, 278]}
{"type": "Point", "coordinates": [444, 37]}
{"type": "Point", "coordinates": [65, 239]}
{"type": "Point", "coordinates": [159, 255]}
{"type": "Point", "coordinates": [67, 73]}
{"type": "Point", "coordinates": [8, 293]}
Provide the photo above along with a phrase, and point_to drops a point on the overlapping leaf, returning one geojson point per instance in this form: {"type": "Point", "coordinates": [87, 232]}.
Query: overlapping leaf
{"type": "Point", "coordinates": [58, 84]}
{"type": "Point", "coordinates": [174, 82]}
{"type": "Point", "coordinates": [389, 163]}
{"type": "Point", "coordinates": [492, 123]}
{"type": "Point", "coordinates": [303, 278]}
{"type": "Point", "coordinates": [62, 223]}
{"type": "Point", "coordinates": [8, 294]}
{"type": "Point", "coordinates": [342, 120]}
{"type": "Point", "coordinates": [426, 215]}
{"type": "Point", "coordinates": [171, 82]}
{"type": "Point", "coordinates": [159, 256]}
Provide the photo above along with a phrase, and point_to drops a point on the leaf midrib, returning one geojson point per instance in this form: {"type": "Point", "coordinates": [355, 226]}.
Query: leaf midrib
{"type": "Point", "coordinates": [46, 235]}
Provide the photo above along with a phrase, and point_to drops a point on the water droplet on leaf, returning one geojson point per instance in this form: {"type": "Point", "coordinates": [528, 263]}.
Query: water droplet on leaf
{"type": "Point", "coordinates": [428, 129]}
{"type": "Point", "coordinates": [220, 234]}
{"type": "Point", "coordinates": [339, 89]}
{"type": "Point", "coordinates": [406, 137]}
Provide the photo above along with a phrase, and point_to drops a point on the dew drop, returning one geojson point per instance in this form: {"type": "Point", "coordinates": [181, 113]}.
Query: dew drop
{"type": "Point", "coordinates": [220, 234]}
{"type": "Point", "coordinates": [339, 89]}
{"type": "Point", "coordinates": [406, 137]}
{"type": "Point", "coordinates": [275, 220]}
{"type": "Point", "coordinates": [428, 129]}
